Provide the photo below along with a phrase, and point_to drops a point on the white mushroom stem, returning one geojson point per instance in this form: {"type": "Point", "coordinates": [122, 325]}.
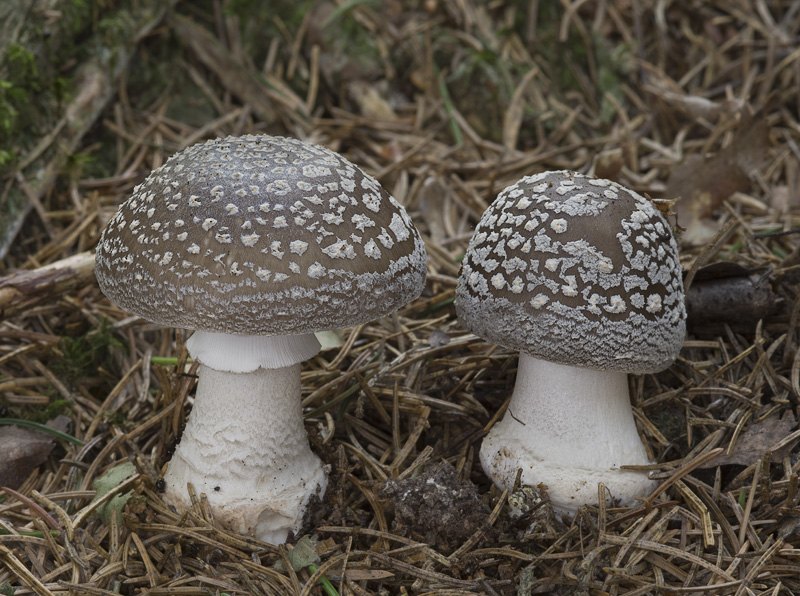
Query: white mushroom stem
{"type": "Point", "coordinates": [245, 444]}
{"type": "Point", "coordinates": [568, 428]}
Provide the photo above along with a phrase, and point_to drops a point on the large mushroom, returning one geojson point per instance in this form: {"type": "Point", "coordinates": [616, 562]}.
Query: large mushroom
{"type": "Point", "coordinates": [581, 275]}
{"type": "Point", "coordinates": [256, 243]}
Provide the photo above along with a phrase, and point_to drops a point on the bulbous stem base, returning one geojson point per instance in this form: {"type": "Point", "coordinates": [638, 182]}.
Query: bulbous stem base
{"type": "Point", "coordinates": [246, 448]}
{"type": "Point", "coordinates": [568, 428]}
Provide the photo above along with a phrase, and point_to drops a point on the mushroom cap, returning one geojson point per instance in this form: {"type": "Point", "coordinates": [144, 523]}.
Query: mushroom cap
{"type": "Point", "coordinates": [578, 271]}
{"type": "Point", "coordinates": [260, 235]}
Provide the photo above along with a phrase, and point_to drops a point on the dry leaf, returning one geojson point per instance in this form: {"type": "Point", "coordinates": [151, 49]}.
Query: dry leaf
{"type": "Point", "coordinates": [433, 197]}
{"type": "Point", "coordinates": [608, 163]}
{"type": "Point", "coordinates": [783, 200]}
{"type": "Point", "coordinates": [110, 480]}
{"type": "Point", "coordinates": [22, 451]}
{"type": "Point", "coordinates": [756, 440]}
{"type": "Point", "coordinates": [370, 102]}
{"type": "Point", "coordinates": [704, 183]}
{"type": "Point", "coordinates": [302, 555]}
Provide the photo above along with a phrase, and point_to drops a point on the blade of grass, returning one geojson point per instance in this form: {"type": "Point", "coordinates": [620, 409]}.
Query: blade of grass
{"type": "Point", "coordinates": [166, 360]}
{"type": "Point", "coordinates": [42, 427]}
{"type": "Point", "coordinates": [326, 584]}
{"type": "Point", "coordinates": [344, 8]}
{"type": "Point", "coordinates": [447, 102]}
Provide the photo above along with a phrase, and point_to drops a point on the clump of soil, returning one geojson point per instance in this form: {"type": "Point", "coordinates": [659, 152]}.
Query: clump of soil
{"type": "Point", "coordinates": [436, 507]}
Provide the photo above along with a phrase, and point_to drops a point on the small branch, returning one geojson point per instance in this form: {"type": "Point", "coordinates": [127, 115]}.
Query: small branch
{"type": "Point", "coordinates": [23, 289]}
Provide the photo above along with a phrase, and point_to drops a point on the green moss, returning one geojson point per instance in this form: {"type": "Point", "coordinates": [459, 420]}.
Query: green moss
{"type": "Point", "coordinates": [17, 90]}
{"type": "Point", "coordinates": [114, 27]}
{"type": "Point", "coordinates": [116, 418]}
{"type": "Point", "coordinates": [8, 111]}
{"type": "Point", "coordinates": [83, 355]}
{"type": "Point", "coordinates": [80, 356]}
{"type": "Point", "coordinates": [42, 414]}
{"type": "Point", "coordinates": [55, 408]}
{"type": "Point", "coordinates": [95, 164]}
{"type": "Point", "coordinates": [21, 66]}
{"type": "Point", "coordinates": [21, 93]}
{"type": "Point", "coordinates": [35, 71]}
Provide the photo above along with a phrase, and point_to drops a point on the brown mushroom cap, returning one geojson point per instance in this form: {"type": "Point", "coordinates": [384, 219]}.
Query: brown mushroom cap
{"type": "Point", "coordinates": [260, 235]}
{"type": "Point", "coordinates": [578, 271]}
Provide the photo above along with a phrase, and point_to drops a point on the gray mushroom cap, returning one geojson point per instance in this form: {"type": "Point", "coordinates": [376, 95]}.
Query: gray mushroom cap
{"type": "Point", "coordinates": [577, 271]}
{"type": "Point", "coordinates": [260, 235]}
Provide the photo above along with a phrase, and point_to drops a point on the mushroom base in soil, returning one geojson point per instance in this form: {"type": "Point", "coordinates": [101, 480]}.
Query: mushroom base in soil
{"type": "Point", "coordinates": [568, 428]}
{"type": "Point", "coordinates": [245, 444]}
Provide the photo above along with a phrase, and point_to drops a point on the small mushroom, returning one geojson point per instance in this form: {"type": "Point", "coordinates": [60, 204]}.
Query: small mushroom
{"type": "Point", "coordinates": [256, 243]}
{"type": "Point", "coordinates": [582, 276]}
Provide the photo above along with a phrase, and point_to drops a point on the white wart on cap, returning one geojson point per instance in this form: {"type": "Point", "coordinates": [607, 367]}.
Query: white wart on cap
{"type": "Point", "coordinates": [578, 271]}
{"type": "Point", "coordinates": [260, 235]}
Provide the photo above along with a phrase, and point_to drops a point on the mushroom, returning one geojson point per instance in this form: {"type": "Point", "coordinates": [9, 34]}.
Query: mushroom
{"type": "Point", "coordinates": [582, 276]}
{"type": "Point", "coordinates": [256, 243]}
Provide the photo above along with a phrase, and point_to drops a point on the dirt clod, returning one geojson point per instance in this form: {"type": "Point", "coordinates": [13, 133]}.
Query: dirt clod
{"type": "Point", "coordinates": [436, 507]}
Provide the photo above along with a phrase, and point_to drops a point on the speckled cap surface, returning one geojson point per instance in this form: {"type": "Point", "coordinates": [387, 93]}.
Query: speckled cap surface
{"type": "Point", "coordinates": [260, 235]}
{"type": "Point", "coordinates": [578, 271]}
